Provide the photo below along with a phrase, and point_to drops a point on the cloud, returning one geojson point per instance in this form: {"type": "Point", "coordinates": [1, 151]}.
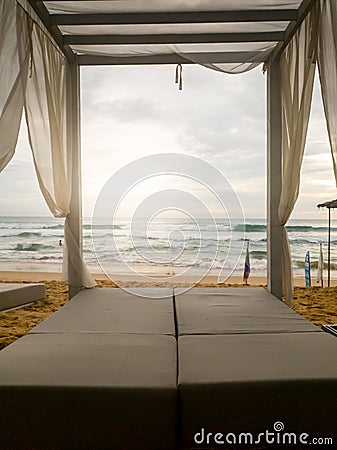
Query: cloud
{"type": "Point", "coordinates": [131, 112]}
{"type": "Point", "coordinates": [127, 110]}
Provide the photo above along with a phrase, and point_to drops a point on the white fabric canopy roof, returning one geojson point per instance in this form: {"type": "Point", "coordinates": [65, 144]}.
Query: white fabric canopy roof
{"type": "Point", "coordinates": [233, 36]}
{"type": "Point", "coordinates": [104, 6]}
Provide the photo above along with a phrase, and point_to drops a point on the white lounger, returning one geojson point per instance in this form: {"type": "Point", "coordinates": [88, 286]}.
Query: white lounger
{"type": "Point", "coordinates": [13, 295]}
{"type": "Point", "coordinates": [100, 373]}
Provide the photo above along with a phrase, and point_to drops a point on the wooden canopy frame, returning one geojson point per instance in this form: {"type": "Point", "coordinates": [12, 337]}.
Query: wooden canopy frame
{"type": "Point", "coordinates": [54, 22]}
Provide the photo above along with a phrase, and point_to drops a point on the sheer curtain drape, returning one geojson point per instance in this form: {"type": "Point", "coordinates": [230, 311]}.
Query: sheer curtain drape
{"type": "Point", "coordinates": [33, 75]}
{"type": "Point", "coordinates": [45, 109]}
{"type": "Point", "coordinates": [46, 115]}
{"type": "Point", "coordinates": [327, 64]}
{"type": "Point", "coordinates": [253, 58]}
{"type": "Point", "coordinates": [297, 64]}
{"type": "Point", "coordinates": [15, 32]}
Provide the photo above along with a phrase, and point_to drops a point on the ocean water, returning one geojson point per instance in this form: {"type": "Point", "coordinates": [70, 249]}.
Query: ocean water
{"type": "Point", "coordinates": [163, 243]}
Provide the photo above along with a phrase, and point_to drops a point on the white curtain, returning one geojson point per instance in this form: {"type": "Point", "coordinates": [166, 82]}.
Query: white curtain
{"type": "Point", "coordinates": [253, 58]}
{"type": "Point", "coordinates": [297, 77]}
{"type": "Point", "coordinates": [327, 64]}
{"type": "Point", "coordinates": [15, 31]}
{"type": "Point", "coordinates": [33, 75]}
{"type": "Point", "coordinates": [45, 109]}
{"type": "Point", "coordinates": [46, 118]}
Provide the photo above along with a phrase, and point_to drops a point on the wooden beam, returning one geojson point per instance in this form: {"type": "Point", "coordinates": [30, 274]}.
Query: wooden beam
{"type": "Point", "coordinates": [274, 179]}
{"type": "Point", "coordinates": [54, 31]}
{"type": "Point", "coordinates": [263, 15]}
{"type": "Point", "coordinates": [172, 58]}
{"type": "Point", "coordinates": [209, 38]}
{"type": "Point", "coordinates": [74, 219]}
{"type": "Point", "coordinates": [303, 11]}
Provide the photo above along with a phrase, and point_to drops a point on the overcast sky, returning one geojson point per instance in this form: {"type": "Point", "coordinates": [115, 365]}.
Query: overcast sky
{"type": "Point", "coordinates": [132, 112]}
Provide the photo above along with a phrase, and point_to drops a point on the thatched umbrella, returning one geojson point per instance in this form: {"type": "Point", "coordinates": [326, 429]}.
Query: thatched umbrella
{"type": "Point", "coordinates": [332, 204]}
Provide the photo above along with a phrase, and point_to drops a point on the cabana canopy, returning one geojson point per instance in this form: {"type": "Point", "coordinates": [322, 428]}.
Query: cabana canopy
{"type": "Point", "coordinates": [43, 44]}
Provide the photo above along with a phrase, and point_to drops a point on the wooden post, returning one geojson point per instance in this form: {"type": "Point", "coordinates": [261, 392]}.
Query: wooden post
{"type": "Point", "coordinates": [274, 179]}
{"type": "Point", "coordinates": [329, 246]}
{"type": "Point", "coordinates": [75, 216]}
{"type": "Point", "coordinates": [321, 253]}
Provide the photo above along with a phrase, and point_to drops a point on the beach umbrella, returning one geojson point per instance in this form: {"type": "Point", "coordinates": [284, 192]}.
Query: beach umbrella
{"type": "Point", "coordinates": [332, 204]}
{"type": "Point", "coordinates": [246, 271]}
{"type": "Point", "coordinates": [320, 265]}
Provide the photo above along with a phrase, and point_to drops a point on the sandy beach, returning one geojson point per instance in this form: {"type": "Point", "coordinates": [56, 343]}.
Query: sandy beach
{"type": "Point", "coordinates": [38, 276]}
{"type": "Point", "coordinates": [319, 305]}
